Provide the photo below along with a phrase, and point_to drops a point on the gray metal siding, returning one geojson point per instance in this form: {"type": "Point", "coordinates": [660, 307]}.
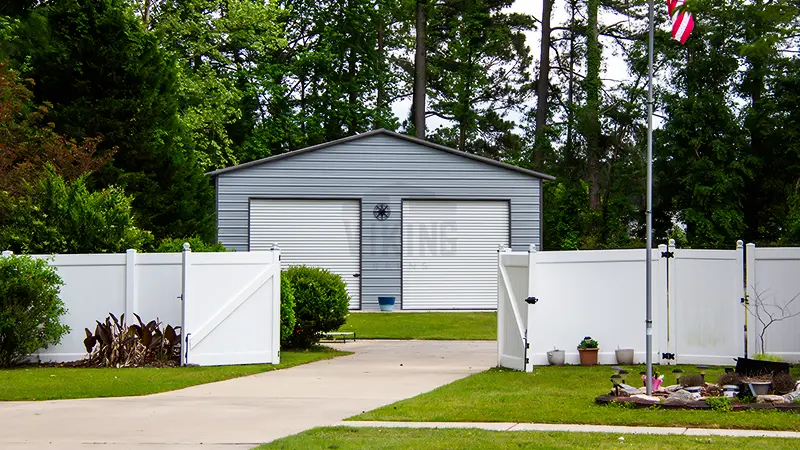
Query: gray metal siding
{"type": "Point", "coordinates": [377, 169]}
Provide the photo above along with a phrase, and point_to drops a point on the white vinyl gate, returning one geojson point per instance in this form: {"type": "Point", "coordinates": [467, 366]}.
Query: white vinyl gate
{"type": "Point", "coordinates": [314, 232]}
{"type": "Point", "coordinates": [710, 331]}
{"type": "Point", "coordinates": [231, 308]}
{"type": "Point", "coordinates": [512, 312]}
{"type": "Point", "coordinates": [450, 253]}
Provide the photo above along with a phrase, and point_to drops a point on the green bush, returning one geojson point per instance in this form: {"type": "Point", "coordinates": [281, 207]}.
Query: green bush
{"type": "Point", "coordinates": [321, 304]}
{"type": "Point", "coordinates": [175, 245]}
{"type": "Point", "coordinates": [722, 404]}
{"type": "Point", "coordinates": [768, 357]}
{"type": "Point", "coordinates": [56, 216]}
{"type": "Point", "coordinates": [287, 309]}
{"type": "Point", "coordinates": [30, 309]}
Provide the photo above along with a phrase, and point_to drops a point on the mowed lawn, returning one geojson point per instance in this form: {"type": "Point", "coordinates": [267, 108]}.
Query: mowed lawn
{"type": "Point", "coordinates": [50, 383]}
{"type": "Point", "coordinates": [423, 325]}
{"type": "Point", "coordinates": [564, 395]}
{"type": "Point", "coordinates": [344, 438]}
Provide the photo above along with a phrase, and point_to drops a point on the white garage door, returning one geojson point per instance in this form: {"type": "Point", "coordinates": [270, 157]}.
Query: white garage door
{"type": "Point", "coordinates": [450, 253]}
{"type": "Point", "coordinates": [321, 233]}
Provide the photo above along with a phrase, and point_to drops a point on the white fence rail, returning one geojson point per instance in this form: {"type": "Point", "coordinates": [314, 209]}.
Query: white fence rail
{"type": "Point", "coordinates": [698, 313]}
{"type": "Point", "coordinates": [232, 301]}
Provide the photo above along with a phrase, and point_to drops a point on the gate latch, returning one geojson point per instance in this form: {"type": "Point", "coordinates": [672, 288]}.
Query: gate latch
{"type": "Point", "coordinates": [531, 300]}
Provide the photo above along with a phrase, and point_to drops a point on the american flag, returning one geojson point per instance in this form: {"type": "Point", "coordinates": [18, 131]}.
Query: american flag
{"type": "Point", "coordinates": [682, 20]}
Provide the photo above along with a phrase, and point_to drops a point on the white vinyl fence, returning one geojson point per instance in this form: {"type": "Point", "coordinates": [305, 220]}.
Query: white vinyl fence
{"type": "Point", "coordinates": [773, 283]}
{"type": "Point", "coordinates": [228, 304]}
{"type": "Point", "coordinates": [699, 316]}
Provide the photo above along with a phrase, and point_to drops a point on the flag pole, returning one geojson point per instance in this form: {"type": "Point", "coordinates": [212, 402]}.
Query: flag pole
{"type": "Point", "coordinates": [649, 210]}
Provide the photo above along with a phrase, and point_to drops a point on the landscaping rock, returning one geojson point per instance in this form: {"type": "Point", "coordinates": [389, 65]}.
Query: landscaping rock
{"type": "Point", "coordinates": [792, 396]}
{"type": "Point", "coordinates": [673, 388]}
{"type": "Point", "coordinates": [682, 395]}
{"type": "Point", "coordinates": [645, 397]}
{"type": "Point", "coordinates": [630, 390]}
{"type": "Point", "coordinates": [770, 399]}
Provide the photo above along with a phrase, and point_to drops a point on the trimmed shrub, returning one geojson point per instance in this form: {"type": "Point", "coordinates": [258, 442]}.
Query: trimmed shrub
{"type": "Point", "coordinates": [321, 304]}
{"type": "Point", "coordinates": [287, 309]}
{"type": "Point", "coordinates": [175, 245]}
{"type": "Point", "coordinates": [58, 216]}
{"type": "Point", "coordinates": [30, 309]}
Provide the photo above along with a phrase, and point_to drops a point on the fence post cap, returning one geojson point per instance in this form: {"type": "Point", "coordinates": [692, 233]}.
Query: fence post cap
{"type": "Point", "coordinates": [672, 243]}
{"type": "Point", "coordinates": [532, 248]}
{"type": "Point", "coordinates": [187, 247]}
{"type": "Point", "coordinates": [7, 253]}
{"type": "Point", "coordinates": [275, 247]}
{"type": "Point", "coordinates": [739, 244]}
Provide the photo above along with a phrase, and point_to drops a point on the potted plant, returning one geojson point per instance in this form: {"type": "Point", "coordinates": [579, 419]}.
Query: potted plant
{"type": "Point", "coordinates": [386, 303]}
{"type": "Point", "coordinates": [556, 357]}
{"type": "Point", "coordinates": [624, 356]}
{"type": "Point", "coordinates": [588, 351]}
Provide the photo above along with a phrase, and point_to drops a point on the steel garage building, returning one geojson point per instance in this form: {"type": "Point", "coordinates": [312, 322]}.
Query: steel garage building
{"type": "Point", "coordinates": [393, 215]}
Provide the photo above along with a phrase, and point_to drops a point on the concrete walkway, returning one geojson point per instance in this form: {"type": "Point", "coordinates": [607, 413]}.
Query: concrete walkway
{"type": "Point", "coordinates": [503, 426]}
{"type": "Point", "coordinates": [244, 412]}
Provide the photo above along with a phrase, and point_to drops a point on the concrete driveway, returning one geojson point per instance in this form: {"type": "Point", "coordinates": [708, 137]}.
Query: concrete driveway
{"type": "Point", "coordinates": [244, 412]}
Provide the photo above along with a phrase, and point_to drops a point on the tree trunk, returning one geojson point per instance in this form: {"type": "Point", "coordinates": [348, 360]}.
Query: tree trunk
{"type": "Point", "coordinates": [352, 96]}
{"type": "Point", "coordinates": [146, 14]}
{"type": "Point", "coordinates": [592, 85]}
{"type": "Point", "coordinates": [543, 89]}
{"type": "Point", "coordinates": [381, 90]}
{"type": "Point", "coordinates": [570, 154]}
{"type": "Point", "coordinates": [420, 69]}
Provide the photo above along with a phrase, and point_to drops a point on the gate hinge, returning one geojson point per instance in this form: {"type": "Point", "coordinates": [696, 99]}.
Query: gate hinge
{"type": "Point", "coordinates": [668, 255]}
{"type": "Point", "coordinates": [668, 356]}
{"type": "Point", "coordinates": [531, 300]}
{"type": "Point", "coordinates": [527, 345]}
{"type": "Point", "coordinates": [527, 360]}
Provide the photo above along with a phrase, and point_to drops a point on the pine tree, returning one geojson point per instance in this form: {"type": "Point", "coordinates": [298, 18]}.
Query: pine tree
{"type": "Point", "coordinates": [106, 76]}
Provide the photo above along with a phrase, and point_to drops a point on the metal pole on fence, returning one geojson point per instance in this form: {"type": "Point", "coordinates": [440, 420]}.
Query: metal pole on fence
{"type": "Point", "coordinates": [649, 211]}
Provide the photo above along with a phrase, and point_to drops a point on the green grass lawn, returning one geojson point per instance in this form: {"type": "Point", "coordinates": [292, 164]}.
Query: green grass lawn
{"type": "Point", "coordinates": [50, 383]}
{"type": "Point", "coordinates": [430, 439]}
{"type": "Point", "coordinates": [423, 325]}
{"type": "Point", "coordinates": [563, 395]}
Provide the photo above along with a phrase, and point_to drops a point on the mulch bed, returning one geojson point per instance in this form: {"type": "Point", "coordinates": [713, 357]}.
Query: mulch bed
{"type": "Point", "coordinates": [86, 365]}
{"type": "Point", "coordinates": [695, 404]}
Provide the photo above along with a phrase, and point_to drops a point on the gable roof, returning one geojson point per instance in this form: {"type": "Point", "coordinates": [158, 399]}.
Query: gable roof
{"type": "Point", "coordinates": [390, 134]}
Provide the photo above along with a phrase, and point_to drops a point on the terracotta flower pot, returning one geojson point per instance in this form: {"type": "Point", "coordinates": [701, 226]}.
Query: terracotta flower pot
{"type": "Point", "coordinates": [588, 356]}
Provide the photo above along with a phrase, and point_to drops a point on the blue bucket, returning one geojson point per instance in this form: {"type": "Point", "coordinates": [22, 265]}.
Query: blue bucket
{"type": "Point", "coordinates": [386, 303]}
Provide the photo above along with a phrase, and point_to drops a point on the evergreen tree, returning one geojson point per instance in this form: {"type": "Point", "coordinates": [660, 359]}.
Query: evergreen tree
{"type": "Point", "coordinates": [106, 76]}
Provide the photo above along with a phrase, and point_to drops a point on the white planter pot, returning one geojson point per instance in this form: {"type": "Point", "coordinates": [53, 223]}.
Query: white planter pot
{"type": "Point", "coordinates": [624, 356]}
{"type": "Point", "coordinates": [556, 357]}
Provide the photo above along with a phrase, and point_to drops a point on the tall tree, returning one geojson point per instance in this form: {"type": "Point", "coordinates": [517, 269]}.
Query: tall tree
{"type": "Point", "coordinates": [592, 85]}
{"type": "Point", "coordinates": [28, 144]}
{"type": "Point", "coordinates": [729, 169]}
{"type": "Point", "coordinates": [420, 69]}
{"type": "Point", "coordinates": [106, 76]}
{"type": "Point", "coordinates": [543, 86]}
{"type": "Point", "coordinates": [479, 69]}
{"type": "Point", "coordinates": [220, 45]}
